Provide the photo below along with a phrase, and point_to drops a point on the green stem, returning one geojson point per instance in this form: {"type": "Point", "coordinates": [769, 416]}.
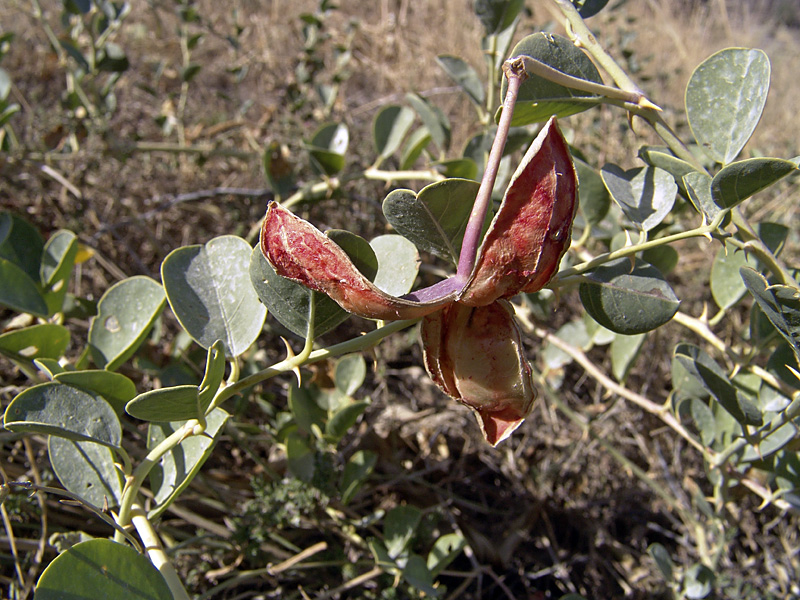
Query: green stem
{"type": "Point", "coordinates": [754, 244]}
{"type": "Point", "coordinates": [567, 276]}
{"type": "Point", "coordinates": [156, 554]}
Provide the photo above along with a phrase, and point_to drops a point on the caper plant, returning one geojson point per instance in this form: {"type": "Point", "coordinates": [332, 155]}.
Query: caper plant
{"type": "Point", "coordinates": [505, 234]}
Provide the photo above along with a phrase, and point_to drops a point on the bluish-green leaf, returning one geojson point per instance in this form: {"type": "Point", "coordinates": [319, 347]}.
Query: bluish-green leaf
{"type": "Point", "coordinates": [417, 574]}
{"type": "Point", "coordinates": [177, 403]}
{"type": "Point", "coordinates": [416, 143]}
{"type": "Point", "coordinates": [435, 219]}
{"type": "Point", "coordinates": [398, 528]}
{"type": "Point", "coordinates": [726, 284]}
{"type": "Point", "coordinates": [58, 258]}
{"type": "Point", "coordinates": [461, 72]}
{"type": "Point", "coordinates": [215, 373]}
{"type": "Point", "coordinates": [19, 292]}
{"type": "Point", "coordinates": [308, 415]}
{"type": "Point", "coordinates": [497, 15]}
{"type": "Point", "coordinates": [45, 340]}
{"type": "Point", "coordinates": [662, 559]}
{"type": "Point", "coordinates": [21, 243]}
{"type": "Point", "coordinates": [343, 419]}
{"type": "Point", "coordinates": [737, 181]}
{"type": "Point", "coordinates": [210, 292]}
{"type": "Point", "coordinates": [57, 409]}
{"type": "Point", "coordinates": [101, 569]}
{"type": "Point", "coordinates": [445, 549]}
{"type": "Point", "coordinates": [780, 303]}
{"type": "Point", "coordinates": [706, 370]}
{"type": "Point", "coordinates": [398, 264]}
{"type": "Point", "coordinates": [358, 249]}
{"type": "Point", "coordinates": [645, 194]}
{"type": "Point", "coordinates": [462, 168]}
{"type": "Point", "coordinates": [624, 351]}
{"type": "Point", "coordinates": [328, 147]}
{"type": "Point", "coordinates": [356, 472]}
{"type": "Point", "coordinates": [594, 197]}
{"type": "Point", "coordinates": [125, 315]}
{"type": "Point", "coordinates": [589, 8]}
{"type": "Point", "coordinates": [349, 373]}
{"type": "Point", "coordinates": [628, 298]}
{"type": "Point", "coordinates": [178, 467]}
{"type": "Point", "coordinates": [540, 98]}
{"type": "Point", "coordinates": [86, 469]}
{"type": "Point", "coordinates": [390, 126]}
{"type": "Point", "coordinates": [288, 301]}
{"type": "Point", "coordinates": [725, 98]}
{"type": "Point", "coordinates": [115, 388]}
{"type": "Point", "coordinates": [434, 120]}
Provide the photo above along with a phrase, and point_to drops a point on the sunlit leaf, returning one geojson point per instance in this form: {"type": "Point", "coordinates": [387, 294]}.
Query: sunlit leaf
{"type": "Point", "coordinates": [390, 126]}
{"type": "Point", "coordinates": [624, 352]}
{"type": "Point", "coordinates": [86, 469]}
{"type": "Point", "coordinates": [540, 98]}
{"type": "Point", "coordinates": [209, 290]}
{"type": "Point", "coordinates": [125, 315]}
{"type": "Point", "coordinates": [65, 411]}
{"type": "Point", "coordinates": [738, 181]}
{"type": "Point", "coordinates": [780, 303]}
{"type": "Point", "coordinates": [433, 118]}
{"type": "Point", "coordinates": [115, 388]}
{"type": "Point", "coordinates": [461, 72]}
{"type": "Point", "coordinates": [44, 340]}
{"type": "Point", "coordinates": [398, 264]}
{"type": "Point", "coordinates": [399, 526]}
{"type": "Point", "coordinates": [725, 97]}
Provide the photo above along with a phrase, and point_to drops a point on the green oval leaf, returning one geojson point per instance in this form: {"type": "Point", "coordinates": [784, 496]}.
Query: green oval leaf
{"type": "Point", "coordinates": [349, 373]}
{"type": "Point", "coordinates": [19, 292]}
{"type": "Point", "coordinates": [737, 181]}
{"type": "Point", "coordinates": [390, 126]}
{"type": "Point", "coordinates": [435, 219]}
{"type": "Point", "coordinates": [624, 351]}
{"type": "Point", "coordinates": [628, 298]}
{"type": "Point", "coordinates": [215, 373]}
{"type": "Point", "coordinates": [780, 303]}
{"type": "Point", "coordinates": [497, 15]}
{"type": "Point", "coordinates": [726, 284]}
{"type": "Point", "coordinates": [358, 249]}
{"type": "Point", "coordinates": [462, 73]}
{"type": "Point", "coordinates": [433, 118]}
{"type": "Point", "coordinates": [125, 315]}
{"type": "Point", "coordinates": [21, 244]}
{"type": "Point", "coordinates": [416, 143]}
{"type": "Point", "coordinates": [45, 340]}
{"type": "Point", "coordinates": [65, 411]}
{"type": "Point", "coordinates": [463, 168]}
{"type": "Point", "coordinates": [306, 411]}
{"type": "Point", "coordinates": [178, 467]}
{"type": "Point", "coordinates": [288, 301]}
{"type": "Point", "coordinates": [725, 97]}
{"type": "Point", "coordinates": [178, 403]}
{"type": "Point", "coordinates": [343, 419]}
{"type": "Point", "coordinates": [209, 290]}
{"type": "Point", "coordinates": [594, 199]}
{"type": "Point", "coordinates": [101, 569]}
{"type": "Point", "coordinates": [58, 258]}
{"type": "Point", "coordinates": [539, 98]}
{"type": "Point", "coordinates": [398, 264]}
{"type": "Point", "coordinates": [399, 526]}
{"type": "Point", "coordinates": [86, 469]}
{"type": "Point", "coordinates": [115, 388]}
{"type": "Point", "coordinates": [698, 188]}
{"type": "Point", "coordinates": [356, 472]}
{"type": "Point", "coordinates": [328, 147]}
{"type": "Point", "coordinates": [645, 194]}
{"type": "Point", "coordinates": [711, 376]}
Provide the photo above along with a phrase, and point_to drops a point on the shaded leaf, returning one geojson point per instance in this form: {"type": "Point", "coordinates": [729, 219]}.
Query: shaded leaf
{"type": "Point", "coordinates": [21, 244]}
{"type": "Point", "coordinates": [355, 473]}
{"type": "Point", "coordinates": [358, 249]}
{"type": "Point", "coordinates": [101, 569]}
{"type": "Point", "coordinates": [645, 194]}
{"type": "Point", "coordinates": [19, 292]}
{"type": "Point", "coordinates": [463, 168]}
{"type": "Point", "coordinates": [698, 188]}
{"type": "Point", "coordinates": [662, 559]}
{"type": "Point", "coordinates": [594, 197]}
{"type": "Point", "coordinates": [178, 467]}
{"type": "Point", "coordinates": [663, 258]}
{"type": "Point", "coordinates": [706, 370]}
{"type": "Point", "coordinates": [65, 411]}
{"type": "Point", "coordinates": [86, 469]}
{"type": "Point", "coordinates": [738, 181]}
{"type": "Point", "coordinates": [210, 292]}
{"type": "Point", "coordinates": [328, 146]}
{"type": "Point", "coordinates": [399, 526]}
{"type": "Point", "coordinates": [589, 8]}
{"type": "Point", "coordinates": [435, 219]}
{"type": "Point", "coordinates": [433, 118]}
{"type": "Point", "coordinates": [125, 315]}
{"type": "Point", "coordinates": [58, 258]}
{"type": "Point", "coordinates": [445, 549]}
{"type": "Point", "coordinates": [308, 415]}
{"type": "Point", "coordinates": [624, 352]}
{"type": "Point", "coordinates": [628, 299]}
{"type": "Point", "coordinates": [215, 373]}
{"type": "Point", "coordinates": [416, 573]}
{"type": "Point", "coordinates": [288, 301]}
{"type": "Point", "coordinates": [44, 340]}
{"type": "Point", "coordinates": [497, 15]}
{"type": "Point", "coordinates": [349, 373]}
{"type": "Point", "coordinates": [540, 98]}
{"type": "Point", "coordinates": [115, 388]}
{"type": "Point", "coordinates": [390, 126]}
{"type": "Point", "coordinates": [780, 303]}
{"type": "Point", "coordinates": [416, 143]}
{"type": "Point", "coordinates": [343, 419]}
{"type": "Point", "coordinates": [725, 97]}
{"type": "Point", "coordinates": [465, 76]}
{"type": "Point", "coordinates": [726, 284]}
{"type": "Point", "coordinates": [662, 158]}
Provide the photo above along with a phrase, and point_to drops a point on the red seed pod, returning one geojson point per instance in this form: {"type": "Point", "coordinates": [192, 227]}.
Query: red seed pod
{"type": "Point", "coordinates": [532, 229]}
{"type": "Point", "coordinates": [474, 354]}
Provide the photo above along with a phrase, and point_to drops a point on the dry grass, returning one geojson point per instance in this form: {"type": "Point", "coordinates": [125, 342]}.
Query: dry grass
{"type": "Point", "coordinates": [570, 517]}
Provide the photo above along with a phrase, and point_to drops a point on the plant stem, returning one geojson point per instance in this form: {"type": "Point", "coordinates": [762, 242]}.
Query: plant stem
{"type": "Point", "coordinates": [156, 554]}
{"type": "Point", "coordinates": [514, 70]}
